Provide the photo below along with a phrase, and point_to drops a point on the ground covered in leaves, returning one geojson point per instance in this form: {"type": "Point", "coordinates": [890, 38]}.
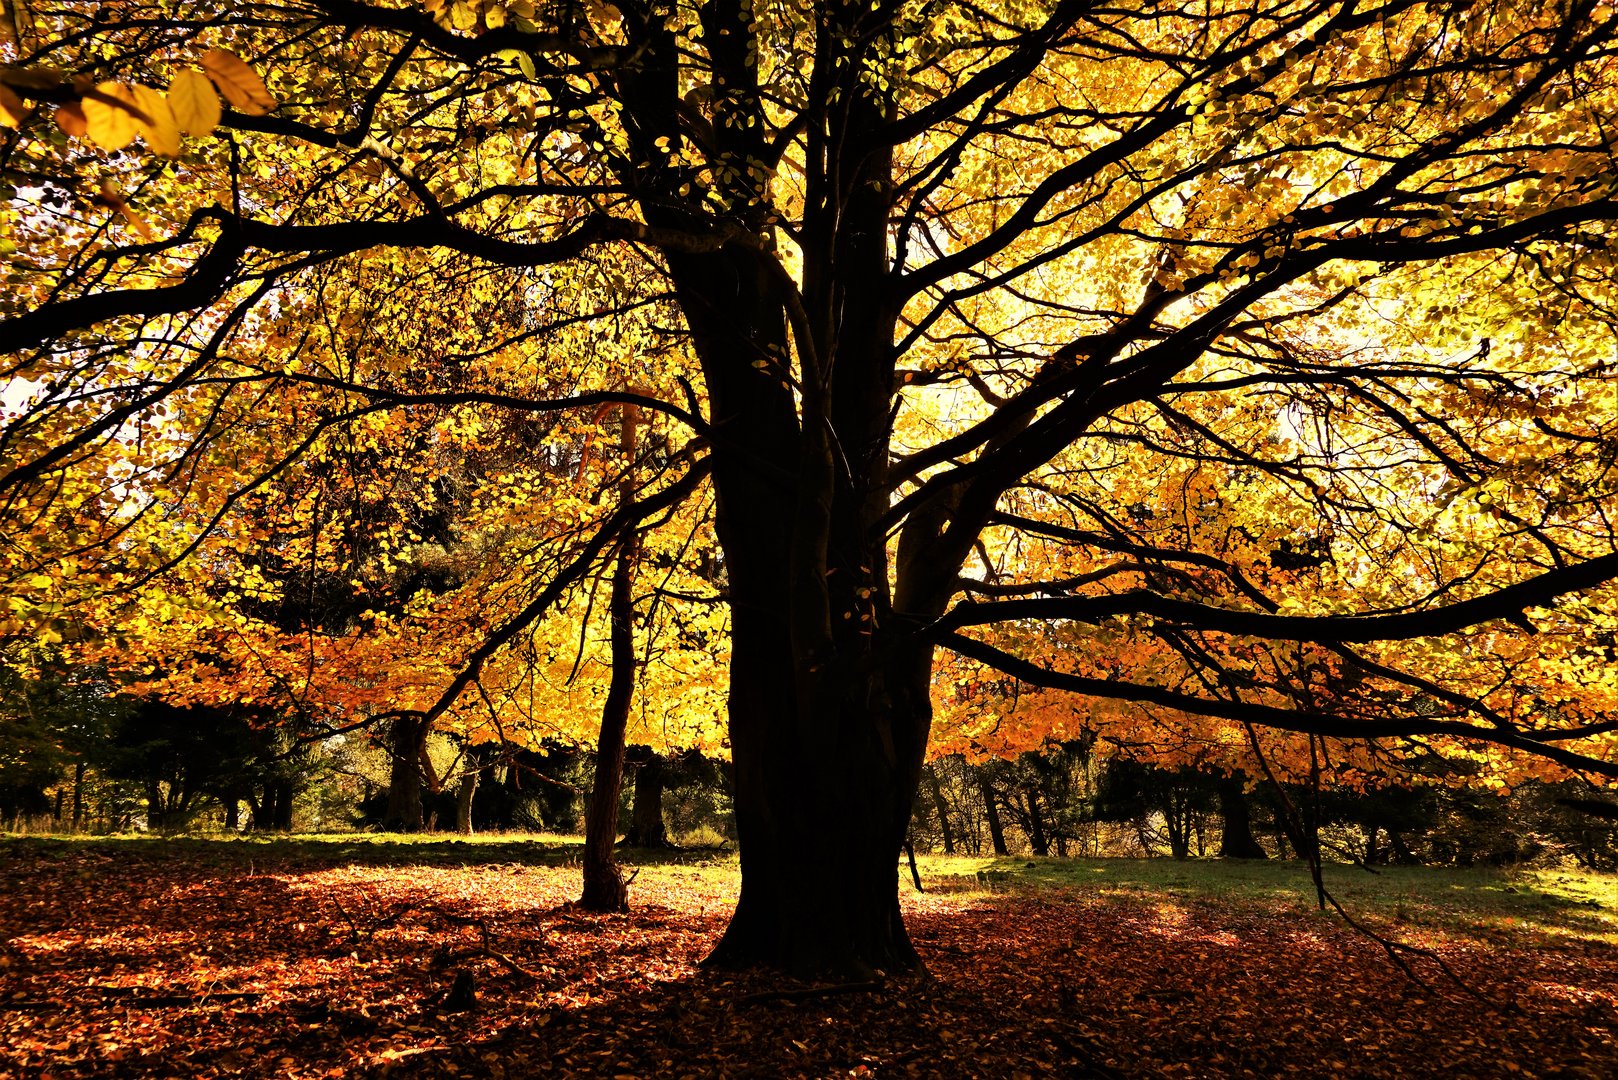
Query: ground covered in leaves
{"type": "Point", "coordinates": [195, 958]}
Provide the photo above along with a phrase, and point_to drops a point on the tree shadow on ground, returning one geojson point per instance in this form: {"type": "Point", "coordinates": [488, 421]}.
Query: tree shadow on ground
{"type": "Point", "coordinates": [138, 966]}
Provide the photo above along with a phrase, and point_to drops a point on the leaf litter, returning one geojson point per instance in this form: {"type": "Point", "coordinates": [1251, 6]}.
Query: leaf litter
{"type": "Point", "coordinates": [155, 963]}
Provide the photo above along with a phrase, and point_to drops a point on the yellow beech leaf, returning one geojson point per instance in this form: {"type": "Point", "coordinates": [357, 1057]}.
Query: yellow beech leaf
{"type": "Point", "coordinates": [12, 109]}
{"type": "Point", "coordinates": [195, 104]}
{"type": "Point", "coordinates": [70, 118]}
{"type": "Point", "coordinates": [239, 83]}
{"type": "Point", "coordinates": [110, 115]}
{"type": "Point", "coordinates": [137, 222]}
{"type": "Point", "coordinates": [159, 129]}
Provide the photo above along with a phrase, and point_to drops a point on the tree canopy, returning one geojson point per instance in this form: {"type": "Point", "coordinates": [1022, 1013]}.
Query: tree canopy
{"type": "Point", "coordinates": [1214, 378]}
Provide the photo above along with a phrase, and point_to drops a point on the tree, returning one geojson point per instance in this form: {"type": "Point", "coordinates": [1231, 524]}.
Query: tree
{"type": "Point", "coordinates": [1242, 364]}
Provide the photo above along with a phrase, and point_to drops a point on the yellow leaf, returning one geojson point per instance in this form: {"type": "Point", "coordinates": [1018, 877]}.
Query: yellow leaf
{"type": "Point", "coordinates": [12, 110]}
{"type": "Point", "coordinates": [159, 129]}
{"type": "Point", "coordinates": [110, 113]}
{"type": "Point", "coordinates": [70, 118]}
{"type": "Point", "coordinates": [137, 222]}
{"type": "Point", "coordinates": [239, 83]}
{"type": "Point", "coordinates": [195, 104]}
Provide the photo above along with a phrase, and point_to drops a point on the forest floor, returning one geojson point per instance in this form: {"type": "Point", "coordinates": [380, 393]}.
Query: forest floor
{"type": "Point", "coordinates": [288, 958]}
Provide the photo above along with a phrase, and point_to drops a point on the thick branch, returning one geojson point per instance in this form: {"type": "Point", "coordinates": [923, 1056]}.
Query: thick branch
{"type": "Point", "coordinates": [1506, 603]}
{"type": "Point", "coordinates": [1271, 716]}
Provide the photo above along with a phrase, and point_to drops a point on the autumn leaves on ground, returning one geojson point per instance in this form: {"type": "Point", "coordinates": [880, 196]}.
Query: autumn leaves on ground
{"type": "Point", "coordinates": [309, 959]}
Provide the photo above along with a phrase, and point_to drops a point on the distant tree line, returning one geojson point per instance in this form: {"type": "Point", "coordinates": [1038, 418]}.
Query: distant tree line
{"type": "Point", "coordinates": [1066, 802]}
{"type": "Point", "coordinates": [75, 755]}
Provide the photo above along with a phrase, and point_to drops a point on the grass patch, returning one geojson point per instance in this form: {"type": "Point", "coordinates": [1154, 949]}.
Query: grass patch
{"type": "Point", "coordinates": [1575, 904]}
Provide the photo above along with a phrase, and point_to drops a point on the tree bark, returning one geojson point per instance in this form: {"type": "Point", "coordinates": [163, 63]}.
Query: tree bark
{"type": "Point", "coordinates": [997, 831]}
{"type": "Point", "coordinates": [941, 808]}
{"type": "Point", "coordinates": [1036, 824]}
{"type": "Point", "coordinates": [604, 885]}
{"type": "Point", "coordinates": [464, 791]}
{"type": "Point", "coordinates": [156, 817]}
{"type": "Point", "coordinates": [821, 816]}
{"type": "Point", "coordinates": [406, 740]}
{"type": "Point", "coordinates": [1236, 839]}
{"type": "Point", "coordinates": [646, 828]}
{"type": "Point", "coordinates": [829, 709]}
{"type": "Point", "coordinates": [78, 796]}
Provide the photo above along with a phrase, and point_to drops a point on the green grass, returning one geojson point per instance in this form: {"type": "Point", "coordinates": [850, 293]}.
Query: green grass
{"type": "Point", "coordinates": [1546, 903]}
{"type": "Point", "coordinates": [1578, 904]}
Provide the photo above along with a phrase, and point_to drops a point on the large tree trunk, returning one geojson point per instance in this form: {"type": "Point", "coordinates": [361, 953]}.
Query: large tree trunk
{"type": "Point", "coordinates": [829, 709]}
{"type": "Point", "coordinates": [1236, 839]}
{"type": "Point", "coordinates": [406, 740]}
{"type": "Point", "coordinates": [821, 814]}
{"type": "Point", "coordinates": [646, 814]}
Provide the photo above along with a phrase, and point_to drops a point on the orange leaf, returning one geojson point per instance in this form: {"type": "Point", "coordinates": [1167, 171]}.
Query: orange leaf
{"type": "Point", "coordinates": [240, 84]}
{"type": "Point", "coordinates": [70, 118]}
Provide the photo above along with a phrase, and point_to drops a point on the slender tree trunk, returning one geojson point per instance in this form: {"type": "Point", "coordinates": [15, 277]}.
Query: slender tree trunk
{"type": "Point", "coordinates": [941, 807]}
{"type": "Point", "coordinates": [78, 796]}
{"type": "Point", "coordinates": [1036, 824]}
{"type": "Point", "coordinates": [1236, 839]}
{"type": "Point", "coordinates": [604, 885]}
{"type": "Point", "coordinates": [991, 810]}
{"type": "Point", "coordinates": [233, 811]}
{"type": "Point", "coordinates": [646, 813]}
